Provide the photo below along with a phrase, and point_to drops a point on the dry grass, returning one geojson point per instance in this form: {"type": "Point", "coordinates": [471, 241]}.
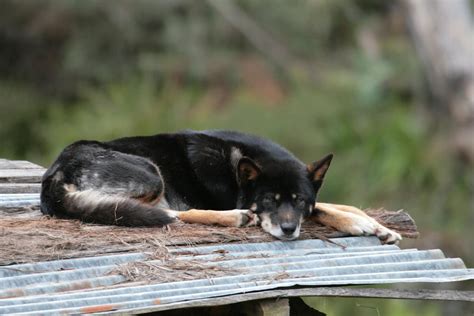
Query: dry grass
{"type": "Point", "coordinates": [170, 270]}
{"type": "Point", "coordinates": [44, 238]}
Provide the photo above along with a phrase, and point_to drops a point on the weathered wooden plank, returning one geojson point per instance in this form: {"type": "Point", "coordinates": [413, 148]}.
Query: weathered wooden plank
{"type": "Point", "coordinates": [297, 308]}
{"type": "Point", "coordinates": [21, 175]}
{"type": "Point", "coordinates": [411, 294]}
{"type": "Point", "coordinates": [30, 212]}
{"type": "Point", "coordinates": [18, 164]}
{"type": "Point", "coordinates": [20, 187]}
{"type": "Point", "coordinates": [441, 295]}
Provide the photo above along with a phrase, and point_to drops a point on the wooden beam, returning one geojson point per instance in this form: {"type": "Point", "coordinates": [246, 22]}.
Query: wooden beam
{"type": "Point", "coordinates": [440, 295]}
{"type": "Point", "coordinates": [22, 212]}
{"type": "Point", "coordinates": [297, 307]}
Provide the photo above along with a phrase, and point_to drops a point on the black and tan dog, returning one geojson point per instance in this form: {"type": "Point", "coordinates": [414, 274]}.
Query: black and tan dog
{"type": "Point", "coordinates": [210, 177]}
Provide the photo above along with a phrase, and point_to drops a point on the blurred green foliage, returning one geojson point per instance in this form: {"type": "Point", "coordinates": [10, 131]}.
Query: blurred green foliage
{"type": "Point", "coordinates": [90, 69]}
{"type": "Point", "coordinates": [373, 307]}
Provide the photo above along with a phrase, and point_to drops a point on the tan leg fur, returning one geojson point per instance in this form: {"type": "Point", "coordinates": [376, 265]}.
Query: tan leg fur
{"type": "Point", "coordinates": [350, 219]}
{"type": "Point", "coordinates": [231, 218]}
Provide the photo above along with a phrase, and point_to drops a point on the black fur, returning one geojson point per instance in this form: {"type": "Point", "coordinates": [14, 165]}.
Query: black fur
{"type": "Point", "coordinates": [217, 170]}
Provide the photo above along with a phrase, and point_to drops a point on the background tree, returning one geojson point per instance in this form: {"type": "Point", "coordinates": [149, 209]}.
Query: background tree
{"type": "Point", "coordinates": [443, 34]}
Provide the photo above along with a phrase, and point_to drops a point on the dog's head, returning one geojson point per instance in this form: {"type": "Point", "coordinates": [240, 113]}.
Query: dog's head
{"type": "Point", "coordinates": [281, 193]}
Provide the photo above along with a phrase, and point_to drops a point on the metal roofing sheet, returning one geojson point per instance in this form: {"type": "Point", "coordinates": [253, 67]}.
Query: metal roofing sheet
{"type": "Point", "coordinates": [19, 199]}
{"type": "Point", "coordinates": [72, 286]}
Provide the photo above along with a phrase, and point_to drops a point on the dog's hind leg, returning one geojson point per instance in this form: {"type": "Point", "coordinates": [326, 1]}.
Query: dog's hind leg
{"type": "Point", "coordinates": [117, 188]}
{"type": "Point", "coordinates": [230, 218]}
{"type": "Point", "coordinates": [350, 219]}
{"type": "Point", "coordinates": [130, 176]}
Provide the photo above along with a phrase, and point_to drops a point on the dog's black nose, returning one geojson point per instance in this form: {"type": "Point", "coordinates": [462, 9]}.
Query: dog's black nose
{"type": "Point", "coordinates": [288, 228]}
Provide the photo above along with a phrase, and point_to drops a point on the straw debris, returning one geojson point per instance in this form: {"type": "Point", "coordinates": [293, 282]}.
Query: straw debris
{"type": "Point", "coordinates": [42, 238]}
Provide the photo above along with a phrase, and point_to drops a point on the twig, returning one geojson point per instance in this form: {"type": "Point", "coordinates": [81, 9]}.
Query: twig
{"type": "Point", "coordinates": [256, 35]}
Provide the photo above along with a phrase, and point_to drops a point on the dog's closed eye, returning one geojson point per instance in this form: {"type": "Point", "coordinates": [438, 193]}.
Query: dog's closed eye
{"type": "Point", "coordinates": [269, 200]}
{"type": "Point", "coordinates": [299, 202]}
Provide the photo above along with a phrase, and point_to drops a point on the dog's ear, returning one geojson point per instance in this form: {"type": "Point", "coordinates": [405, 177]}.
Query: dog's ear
{"type": "Point", "coordinates": [247, 170]}
{"type": "Point", "coordinates": [317, 171]}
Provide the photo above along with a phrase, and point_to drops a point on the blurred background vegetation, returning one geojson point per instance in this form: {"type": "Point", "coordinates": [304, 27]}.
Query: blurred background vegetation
{"type": "Point", "coordinates": [316, 76]}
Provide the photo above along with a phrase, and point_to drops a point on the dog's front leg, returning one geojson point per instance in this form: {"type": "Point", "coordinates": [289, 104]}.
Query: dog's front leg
{"type": "Point", "coordinates": [349, 219]}
{"type": "Point", "coordinates": [231, 218]}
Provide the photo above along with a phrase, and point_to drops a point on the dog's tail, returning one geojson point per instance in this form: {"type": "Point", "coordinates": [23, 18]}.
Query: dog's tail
{"type": "Point", "coordinates": [97, 207]}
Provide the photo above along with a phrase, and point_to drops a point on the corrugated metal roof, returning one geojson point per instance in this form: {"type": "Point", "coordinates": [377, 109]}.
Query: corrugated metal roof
{"type": "Point", "coordinates": [19, 200]}
{"type": "Point", "coordinates": [76, 285]}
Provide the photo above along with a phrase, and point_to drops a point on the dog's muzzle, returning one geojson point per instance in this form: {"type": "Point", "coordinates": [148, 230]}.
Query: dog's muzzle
{"type": "Point", "coordinates": [287, 230]}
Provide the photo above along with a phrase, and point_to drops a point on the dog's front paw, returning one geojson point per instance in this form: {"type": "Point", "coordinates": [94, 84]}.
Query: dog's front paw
{"type": "Point", "coordinates": [387, 236]}
{"type": "Point", "coordinates": [248, 218]}
{"type": "Point", "coordinates": [364, 226]}
{"type": "Point", "coordinates": [358, 225]}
